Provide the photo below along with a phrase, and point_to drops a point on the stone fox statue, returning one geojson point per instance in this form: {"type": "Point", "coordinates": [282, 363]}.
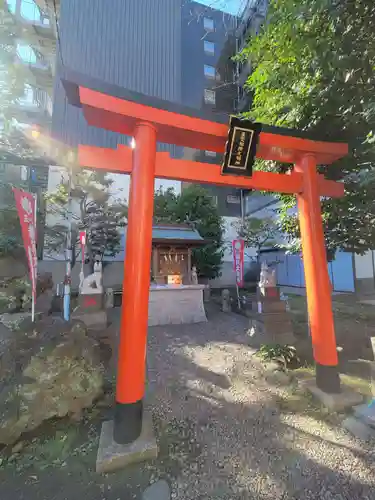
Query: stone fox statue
{"type": "Point", "coordinates": [93, 283]}
{"type": "Point", "coordinates": [267, 276]}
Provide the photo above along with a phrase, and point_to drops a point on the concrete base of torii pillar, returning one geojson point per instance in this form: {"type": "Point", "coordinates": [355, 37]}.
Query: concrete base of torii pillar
{"type": "Point", "coordinates": [112, 456]}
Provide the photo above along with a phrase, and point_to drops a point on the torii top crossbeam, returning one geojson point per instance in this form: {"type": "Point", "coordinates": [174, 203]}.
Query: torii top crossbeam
{"type": "Point", "coordinates": [116, 109]}
{"type": "Point", "coordinates": [151, 120]}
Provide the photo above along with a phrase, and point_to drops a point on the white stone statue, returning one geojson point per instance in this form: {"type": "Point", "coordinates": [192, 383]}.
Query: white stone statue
{"type": "Point", "coordinates": [194, 276]}
{"type": "Point", "coordinates": [93, 283]}
{"type": "Point", "coordinates": [267, 276]}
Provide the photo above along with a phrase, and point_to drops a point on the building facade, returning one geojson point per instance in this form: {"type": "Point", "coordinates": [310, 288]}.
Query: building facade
{"type": "Point", "coordinates": [181, 52]}
{"type": "Point", "coordinates": [205, 32]}
{"type": "Point", "coordinates": [132, 44]}
{"type": "Point", "coordinates": [35, 50]}
{"type": "Point", "coordinates": [34, 37]}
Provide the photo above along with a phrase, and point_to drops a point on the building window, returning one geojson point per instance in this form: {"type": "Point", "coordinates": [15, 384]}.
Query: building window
{"type": "Point", "coordinates": [209, 96]}
{"type": "Point", "coordinates": [28, 96]}
{"type": "Point", "coordinates": [30, 11]}
{"type": "Point", "coordinates": [209, 71]}
{"type": "Point", "coordinates": [214, 200]}
{"type": "Point", "coordinates": [12, 4]}
{"type": "Point", "coordinates": [209, 48]}
{"type": "Point", "coordinates": [233, 200]}
{"type": "Point", "coordinates": [208, 24]}
{"type": "Point", "coordinates": [212, 154]}
{"type": "Point", "coordinates": [26, 53]}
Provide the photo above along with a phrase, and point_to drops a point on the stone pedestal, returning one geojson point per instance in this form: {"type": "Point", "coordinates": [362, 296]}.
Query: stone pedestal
{"type": "Point", "coordinates": [113, 456]}
{"type": "Point", "coordinates": [176, 304]}
{"type": "Point", "coordinates": [91, 311]}
{"type": "Point", "coordinates": [109, 298]}
{"type": "Point", "coordinates": [226, 305]}
{"type": "Point", "coordinates": [270, 322]}
{"type": "Point", "coordinates": [335, 402]}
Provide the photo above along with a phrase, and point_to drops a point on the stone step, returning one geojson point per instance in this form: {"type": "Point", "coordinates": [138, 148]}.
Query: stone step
{"type": "Point", "coordinates": [366, 414]}
{"type": "Point", "coordinates": [359, 429]}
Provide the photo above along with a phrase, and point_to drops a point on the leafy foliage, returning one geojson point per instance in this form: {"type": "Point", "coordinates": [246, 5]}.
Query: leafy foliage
{"type": "Point", "coordinates": [284, 354]}
{"type": "Point", "coordinates": [257, 233]}
{"type": "Point", "coordinates": [13, 77]}
{"type": "Point", "coordinates": [10, 229]}
{"type": "Point", "coordinates": [313, 68]}
{"type": "Point", "coordinates": [91, 209]}
{"type": "Point", "coordinates": [194, 207]}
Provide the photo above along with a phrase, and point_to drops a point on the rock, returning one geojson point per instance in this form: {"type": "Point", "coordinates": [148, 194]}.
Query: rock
{"type": "Point", "coordinates": [52, 369]}
{"type": "Point", "coordinates": [15, 294]}
{"type": "Point", "coordinates": [44, 302]}
{"type": "Point", "coordinates": [157, 491]}
{"type": "Point", "coordinates": [278, 377]}
{"type": "Point", "coordinates": [16, 321]}
{"type": "Point", "coordinates": [272, 366]}
{"type": "Point", "coordinates": [44, 282]}
{"type": "Point", "coordinates": [13, 267]}
{"type": "Point", "coordinates": [8, 302]}
{"type": "Point", "coordinates": [108, 401]}
{"type": "Point", "coordinates": [18, 447]}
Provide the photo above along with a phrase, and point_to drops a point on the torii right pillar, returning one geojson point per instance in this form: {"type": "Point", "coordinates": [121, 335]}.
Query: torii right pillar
{"type": "Point", "coordinates": [318, 285]}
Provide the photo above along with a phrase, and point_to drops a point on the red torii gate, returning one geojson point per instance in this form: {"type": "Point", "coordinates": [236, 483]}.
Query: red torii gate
{"type": "Point", "coordinates": [150, 121]}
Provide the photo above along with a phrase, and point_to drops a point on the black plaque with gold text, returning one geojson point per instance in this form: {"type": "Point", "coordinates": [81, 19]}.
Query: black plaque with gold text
{"type": "Point", "coordinates": [240, 150]}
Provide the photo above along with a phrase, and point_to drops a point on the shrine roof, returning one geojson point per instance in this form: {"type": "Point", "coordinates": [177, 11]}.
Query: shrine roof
{"type": "Point", "coordinates": [167, 233]}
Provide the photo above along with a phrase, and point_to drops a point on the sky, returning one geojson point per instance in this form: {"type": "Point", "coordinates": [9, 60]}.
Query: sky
{"type": "Point", "coordinates": [231, 6]}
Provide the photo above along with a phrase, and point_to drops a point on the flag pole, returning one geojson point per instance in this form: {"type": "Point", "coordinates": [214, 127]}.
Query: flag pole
{"type": "Point", "coordinates": [35, 264]}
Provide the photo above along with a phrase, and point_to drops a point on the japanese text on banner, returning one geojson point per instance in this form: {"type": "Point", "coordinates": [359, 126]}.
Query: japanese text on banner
{"type": "Point", "coordinates": [238, 260]}
{"type": "Point", "coordinates": [25, 203]}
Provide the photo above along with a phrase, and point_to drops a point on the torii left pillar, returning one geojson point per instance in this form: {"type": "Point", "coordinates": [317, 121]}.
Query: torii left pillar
{"type": "Point", "coordinates": [134, 318]}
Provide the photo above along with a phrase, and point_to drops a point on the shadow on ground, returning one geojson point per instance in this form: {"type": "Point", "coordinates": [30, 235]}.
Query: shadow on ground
{"type": "Point", "coordinates": [222, 430]}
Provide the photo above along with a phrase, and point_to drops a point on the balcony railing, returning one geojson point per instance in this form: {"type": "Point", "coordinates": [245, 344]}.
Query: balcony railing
{"type": "Point", "coordinates": [244, 71]}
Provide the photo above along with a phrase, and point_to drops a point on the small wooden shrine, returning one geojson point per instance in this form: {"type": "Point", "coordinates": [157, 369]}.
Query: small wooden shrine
{"type": "Point", "coordinates": [172, 246]}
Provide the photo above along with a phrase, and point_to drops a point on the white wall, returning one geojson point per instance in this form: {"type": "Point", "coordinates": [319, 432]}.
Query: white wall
{"type": "Point", "coordinates": [230, 235]}
{"type": "Point", "coordinates": [121, 185]}
{"type": "Point", "coordinates": [364, 265]}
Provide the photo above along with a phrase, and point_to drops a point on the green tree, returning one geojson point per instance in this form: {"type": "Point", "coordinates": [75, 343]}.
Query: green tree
{"type": "Point", "coordinates": [194, 206]}
{"type": "Point", "coordinates": [14, 145]}
{"type": "Point", "coordinates": [10, 229]}
{"type": "Point", "coordinates": [13, 78]}
{"type": "Point", "coordinates": [257, 233]}
{"type": "Point", "coordinates": [165, 203]}
{"type": "Point", "coordinates": [313, 69]}
{"type": "Point", "coordinates": [92, 209]}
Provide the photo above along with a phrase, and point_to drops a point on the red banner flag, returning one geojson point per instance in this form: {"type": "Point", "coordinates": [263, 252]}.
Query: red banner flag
{"type": "Point", "coordinates": [238, 260]}
{"type": "Point", "coordinates": [25, 203]}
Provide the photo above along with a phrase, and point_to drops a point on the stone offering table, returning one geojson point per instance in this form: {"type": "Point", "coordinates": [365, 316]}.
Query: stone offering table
{"type": "Point", "coordinates": [174, 305]}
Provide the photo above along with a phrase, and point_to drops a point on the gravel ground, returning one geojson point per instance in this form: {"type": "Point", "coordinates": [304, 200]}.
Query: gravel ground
{"type": "Point", "coordinates": [224, 434]}
{"type": "Point", "coordinates": [225, 431]}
